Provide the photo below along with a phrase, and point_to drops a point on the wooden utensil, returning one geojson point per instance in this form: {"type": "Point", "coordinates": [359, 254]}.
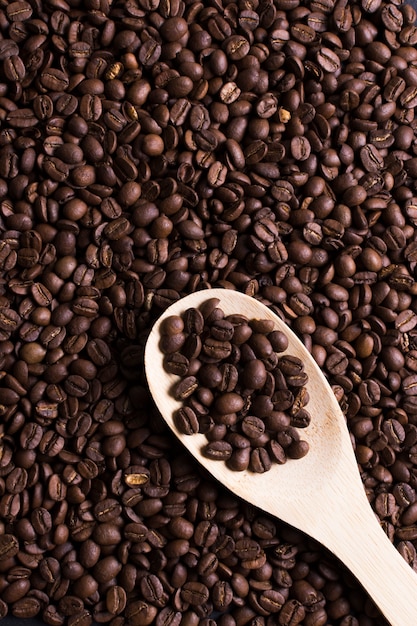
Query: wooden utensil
{"type": "Point", "coordinates": [320, 494]}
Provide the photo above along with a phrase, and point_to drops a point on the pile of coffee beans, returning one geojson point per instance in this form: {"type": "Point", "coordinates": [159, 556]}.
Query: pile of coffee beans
{"type": "Point", "coordinates": [236, 387]}
{"type": "Point", "coordinates": [149, 149]}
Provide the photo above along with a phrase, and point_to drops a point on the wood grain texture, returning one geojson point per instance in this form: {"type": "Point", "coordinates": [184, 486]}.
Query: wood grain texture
{"type": "Point", "coordinates": [320, 494]}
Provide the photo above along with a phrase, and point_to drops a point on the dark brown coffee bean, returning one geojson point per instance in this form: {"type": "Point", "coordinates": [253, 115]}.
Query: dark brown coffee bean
{"type": "Point", "coordinates": [194, 593]}
{"type": "Point", "coordinates": [193, 321]}
{"type": "Point", "coordinates": [27, 607]}
{"type": "Point", "coordinates": [8, 396]}
{"type": "Point", "coordinates": [76, 386]}
{"type": "Point", "coordinates": [236, 47]}
{"type": "Point", "coordinates": [140, 613]}
{"type": "Point", "coordinates": [186, 421]}
{"type": "Point", "coordinates": [300, 148]}
{"type": "Point", "coordinates": [255, 152]}
{"type": "Point", "coordinates": [9, 546]}
{"type": "Point", "coordinates": [254, 374]}
{"type": "Point", "coordinates": [297, 449]}
{"type": "Point", "coordinates": [84, 618]}
{"type": "Point", "coordinates": [54, 79]}
{"type": "Point", "coordinates": [185, 387]}
{"type": "Point", "coordinates": [22, 118]}
{"type": "Point", "coordinates": [41, 520]}
{"type": "Point", "coordinates": [406, 321]}
{"type": "Point", "coordinates": [14, 68]}
{"type": "Point", "coordinates": [221, 450]}
{"type": "Point", "coordinates": [152, 589]}
{"type": "Point", "coordinates": [253, 427]}
{"type": "Point", "coordinates": [222, 330]}
{"type": "Point", "coordinates": [116, 600]}
{"type": "Point", "coordinates": [229, 402]}
{"type": "Point", "coordinates": [328, 60]}
{"type": "Point", "coordinates": [17, 480]}
{"type": "Point", "coordinates": [19, 11]}
{"type": "Point", "coordinates": [216, 349]}
{"type": "Point", "coordinates": [260, 461]}
{"type": "Point", "coordinates": [107, 509]}
{"type": "Point", "coordinates": [371, 158]}
{"type": "Point", "coordinates": [8, 48]}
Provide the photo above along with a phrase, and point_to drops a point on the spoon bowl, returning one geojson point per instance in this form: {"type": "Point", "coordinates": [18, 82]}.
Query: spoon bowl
{"type": "Point", "coordinates": [321, 494]}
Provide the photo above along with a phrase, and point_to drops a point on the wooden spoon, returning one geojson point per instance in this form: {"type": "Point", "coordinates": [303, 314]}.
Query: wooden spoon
{"type": "Point", "coordinates": [320, 494]}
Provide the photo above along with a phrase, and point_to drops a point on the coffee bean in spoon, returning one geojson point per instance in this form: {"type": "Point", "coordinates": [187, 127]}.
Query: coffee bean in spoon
{"type": "Point", "coordinates": [240, 387]}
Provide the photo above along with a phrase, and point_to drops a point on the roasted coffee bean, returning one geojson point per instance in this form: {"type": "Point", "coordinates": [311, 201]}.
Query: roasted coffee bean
{"type": "Point", "coordinates": [9, 546]}
{"type": "Point", "coordinates": [194, 593]}
{"type": "Point", "coordinates": [216, 349]}
{"type": "Point", "coordinates": [260, 461]}
{"type": "Point", "coordinates": [186, 421]}
{"type": "Point", "coordinates": [26, 607]}
{"type": "Point", "coordinates": [223, 377]}
{"type": "Point", "coordinates": [176, 364]}
{"type": "Point", "coordinates": [14, 68]}
{"type": "Point", "coordinates": [8, 48]}
{"type": "Point", "coordinates": [218, 450]}
{"type": "Point", "coordinates": [328, 60]}
{"type": "Point", "coordinates": [41, 520]}
{"type": "Point", "coordinates": [54, 79]}
{"type": "Point", "coordinates": [116, 600]}
{"type": "Point", "coordinates": [185, 387]}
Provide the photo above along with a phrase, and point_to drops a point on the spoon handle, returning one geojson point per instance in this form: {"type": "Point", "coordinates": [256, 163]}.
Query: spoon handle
{"type": "Point", "coordinates": [361, 544]}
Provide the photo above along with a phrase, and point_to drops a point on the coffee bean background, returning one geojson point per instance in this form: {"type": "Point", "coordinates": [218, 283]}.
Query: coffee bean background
{"type": "Point", "coordinates": [149, 148]}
